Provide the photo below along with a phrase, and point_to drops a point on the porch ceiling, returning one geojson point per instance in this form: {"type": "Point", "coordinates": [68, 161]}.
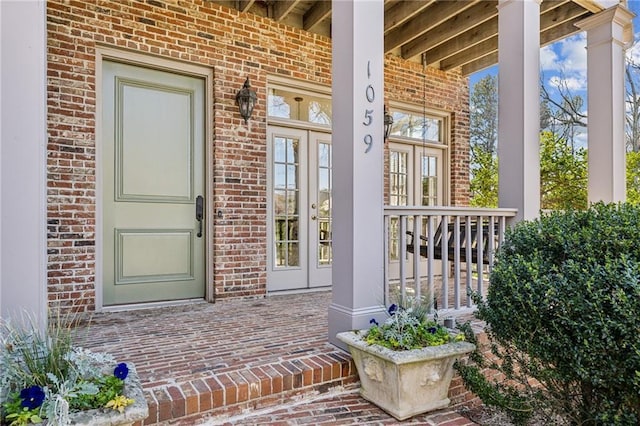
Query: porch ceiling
{"type": "Point", "coordinates": [450, 34]}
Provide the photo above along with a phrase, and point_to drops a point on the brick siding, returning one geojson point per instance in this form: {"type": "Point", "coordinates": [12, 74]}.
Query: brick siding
{"type": "Point", "coordinates": [235, 45]}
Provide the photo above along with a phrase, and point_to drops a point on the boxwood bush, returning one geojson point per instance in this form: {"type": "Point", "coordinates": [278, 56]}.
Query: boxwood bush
{"type": "Point", "coordinates": [562, 316]}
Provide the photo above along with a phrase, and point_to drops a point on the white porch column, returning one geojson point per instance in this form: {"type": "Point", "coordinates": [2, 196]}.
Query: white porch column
{"type": "Point", "coordinates": [519, 106]}
{"type": "Point", "coordinates": [358, 66]}
{"type": "Point", "coordinates": [23, 158]}
{"type": "Point", "coordinates": [607, 34]}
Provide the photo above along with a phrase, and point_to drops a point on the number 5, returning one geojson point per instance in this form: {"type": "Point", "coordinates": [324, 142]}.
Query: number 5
{"type": "Point", "coordinates": [368, 117]}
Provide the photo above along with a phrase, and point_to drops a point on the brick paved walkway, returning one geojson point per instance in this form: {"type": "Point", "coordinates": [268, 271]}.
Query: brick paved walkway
{"type": "Point", "coordinates": [203, 361]}
{"type": "Point", "coordinates": [338, 407]}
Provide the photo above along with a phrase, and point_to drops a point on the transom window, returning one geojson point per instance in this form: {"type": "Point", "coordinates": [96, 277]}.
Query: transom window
{"type": "Point", "coordinates": [418, 126]}
{"type": "Point", "coordinates": [299, 105]}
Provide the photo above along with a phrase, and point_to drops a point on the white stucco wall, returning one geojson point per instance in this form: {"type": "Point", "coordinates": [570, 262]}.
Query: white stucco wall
{"type": "Point", "coordinates": [23, 158]}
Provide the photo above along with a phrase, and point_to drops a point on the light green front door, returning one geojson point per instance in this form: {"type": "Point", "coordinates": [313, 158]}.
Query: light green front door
{"type": "Point", "coordinates": [153, 141]}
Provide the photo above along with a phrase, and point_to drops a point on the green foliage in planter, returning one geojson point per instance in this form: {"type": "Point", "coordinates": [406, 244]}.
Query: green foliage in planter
{"type": "Point", "coordinates": [43, 376]}
{"type": "Point", "coordinates": [563, 308]}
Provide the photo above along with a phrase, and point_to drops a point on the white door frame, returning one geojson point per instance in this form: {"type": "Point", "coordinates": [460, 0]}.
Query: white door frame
{"type": "Point", "coordinates": [306, 136]}
{"type": "Point", "coordinates": [107, 53]}
{"type": "Point", "coordinates": [415, 153]}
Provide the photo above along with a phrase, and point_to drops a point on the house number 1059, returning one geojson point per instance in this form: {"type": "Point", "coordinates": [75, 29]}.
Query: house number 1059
{"type": "Point", "coordinates": [370, 94]}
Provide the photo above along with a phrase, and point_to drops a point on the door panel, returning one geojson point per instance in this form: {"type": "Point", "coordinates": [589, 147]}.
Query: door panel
{"type": "Point", "coordinates": [415, 178]}
{"type": "Point", "coordinates": [287, 212]}
{"type": "Point", "coordinates": [299, 209]}
{"type": "Point", "coordinates": [320, 184]}
{"type": "Point", "coordinates": [153, 164]}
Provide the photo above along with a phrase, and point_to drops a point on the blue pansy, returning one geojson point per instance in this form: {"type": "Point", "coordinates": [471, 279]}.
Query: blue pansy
{"type": "Point", "coordinates": [432, 330]}
{"type": "Point", "coordinates": [373, 321]}
{"type": "Point", "coordinates": [393, 309]}
{"type": "Point", "coordinates": [121, 371]}
{"type": "Point", "coordinates": [32, 397]}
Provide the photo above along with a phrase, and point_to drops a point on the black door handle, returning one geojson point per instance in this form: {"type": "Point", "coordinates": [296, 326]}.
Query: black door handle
{"type": "Point", "coordinates": [199, 213]}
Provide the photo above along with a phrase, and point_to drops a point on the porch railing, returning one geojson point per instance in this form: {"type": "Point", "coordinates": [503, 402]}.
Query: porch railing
{"type": "Point", "coordinates": [441, 252]}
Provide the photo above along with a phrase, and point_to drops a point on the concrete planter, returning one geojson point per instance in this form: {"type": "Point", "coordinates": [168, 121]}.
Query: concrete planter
{"type": "Point", "coordinates": [404, 383]}
{"type": "Point", "coordinates": [107, 417]}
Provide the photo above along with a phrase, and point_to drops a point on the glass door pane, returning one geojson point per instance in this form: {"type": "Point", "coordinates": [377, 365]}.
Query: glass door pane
{"type": "Point", "coordinates": [320, 202]}
{"type": "Point", "coordinates": [287, 209]}
{"type": "Point", "coordinates": [324, 204]}
{"type": "Point", "coordinates": [286, 202]}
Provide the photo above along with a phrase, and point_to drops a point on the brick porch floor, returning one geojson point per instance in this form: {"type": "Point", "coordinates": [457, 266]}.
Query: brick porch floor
{"type": "Point", "coordinates": [259, 361]}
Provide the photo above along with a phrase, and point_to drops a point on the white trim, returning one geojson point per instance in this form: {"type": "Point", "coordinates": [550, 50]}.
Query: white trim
{"type": "Point", "coordinates": [23, 161]}
{"type": "Point", "coordinates": [107, 53]}
{"type": "Point", "coordinates": [292, 84]}
{"type": "Point", "coordinates": [444, 145]}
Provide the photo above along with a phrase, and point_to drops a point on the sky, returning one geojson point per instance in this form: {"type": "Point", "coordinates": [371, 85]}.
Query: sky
{"type": "Point", "coordinates": [566, 60]}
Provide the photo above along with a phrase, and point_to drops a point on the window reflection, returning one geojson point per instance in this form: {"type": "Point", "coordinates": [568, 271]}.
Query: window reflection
{"type": "Point", "coordinates": [286, 203]}
{"type": "Point", "coordinates": [415, 126]}
{"type": "Point", "coordinates": [313, 108]}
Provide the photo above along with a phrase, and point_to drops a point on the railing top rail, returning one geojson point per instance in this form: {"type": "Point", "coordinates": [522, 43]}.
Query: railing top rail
{"type": "Point", "coordinates": [447, 211]}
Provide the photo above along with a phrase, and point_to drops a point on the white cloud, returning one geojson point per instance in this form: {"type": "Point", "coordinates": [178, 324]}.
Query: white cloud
{"type": "Point", "coordinates": [572, 83]}
{"type": "Point", "coordinates": [565, 63]}
{"type": "Point", "coordinates": [548, 59]}
{"type": "Point", "coordinates": [568, 56]}
{"type": "Point", "coordinates": [633, 53]}
{"type": "Point", "coordinates": [572, 54]}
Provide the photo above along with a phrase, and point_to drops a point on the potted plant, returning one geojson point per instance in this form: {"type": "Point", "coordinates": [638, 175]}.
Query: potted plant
{"type": "Point", "coordinates": [405, 364]}
{"type": "Point", "coordinates": [45, 379]}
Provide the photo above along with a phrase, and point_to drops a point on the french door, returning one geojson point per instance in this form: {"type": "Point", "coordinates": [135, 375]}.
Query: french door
{"type": "Point", "coordinates": [416, 177]}
{"type": "Point", "coordinates": [298, 209]}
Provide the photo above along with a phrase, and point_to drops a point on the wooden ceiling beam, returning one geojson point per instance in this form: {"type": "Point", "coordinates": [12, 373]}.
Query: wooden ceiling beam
{"type": "Point", "coordinates": [282, 8]}
{"type": "Point", "coordinates": [547, 5]}
{"type": "Point", "coordinates": [560, 17]}
{"type": "Point", "coordinates": [469, 55]}
{"type": "Point", "coordinates": [429, 18]}
{"type": "Point", "coordinates": [245, 5]}
{"type": "Point", "coordinates": [480, 64]}
{"type": "Point", "coordinates": [318, 13]}
{"type": "Point", "coordinates": [460, 23]}
{"type": "Point", "coordinates": [465, 41]}
{"type": "Point", "coordinates": [558, 32]}
{"type": "Point", "coordinates": [550, 33]}
{"type": "Point", "coordinates": [401, 12]}
{"type": "Point", "coordinates": [590, 5]}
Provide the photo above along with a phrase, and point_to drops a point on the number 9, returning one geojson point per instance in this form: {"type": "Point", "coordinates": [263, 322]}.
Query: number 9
{"type": "Point", "coordinates": [368, 141]}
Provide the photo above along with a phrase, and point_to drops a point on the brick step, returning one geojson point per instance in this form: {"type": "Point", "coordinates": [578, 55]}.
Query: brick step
{"type": "Point", "coordinates": [226, 393]}
{"type": "Point", "coordinates": [339, 406]}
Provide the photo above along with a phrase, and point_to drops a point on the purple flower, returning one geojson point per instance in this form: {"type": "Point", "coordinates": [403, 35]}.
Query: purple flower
{"type": "Point", "coordinates": [121, 371]}
{"type": "Point", "coordinates": [432, 330]}
{"type": "Point", "coordinates": [393, 309]}
{"type": "Point", "coordinates": [32, 397]}
{"type": "Point", "coordinates": [373, 321]}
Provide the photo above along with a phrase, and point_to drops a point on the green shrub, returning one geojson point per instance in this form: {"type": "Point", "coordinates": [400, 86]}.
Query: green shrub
{"type": "Point", "coordinates": [563, 308]}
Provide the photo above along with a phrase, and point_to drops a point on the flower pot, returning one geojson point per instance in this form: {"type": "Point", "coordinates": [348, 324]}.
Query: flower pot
{"type": "Point", "coordinates": [108, 417]}
{"type": "Point", "coordinates": [404, 383]}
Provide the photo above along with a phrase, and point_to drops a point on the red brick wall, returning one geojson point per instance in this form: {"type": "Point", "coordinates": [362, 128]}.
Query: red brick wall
{"type": "Point", "coordinates": [235, 45]}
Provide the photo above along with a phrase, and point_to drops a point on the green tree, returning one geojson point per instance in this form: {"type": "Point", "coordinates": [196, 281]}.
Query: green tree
{"type": "Point", "coordinates": [483, 107]}
{"type": "Point", "coordinates": [563, 174]}
{"type": "Point", "coordinates": [633, 177]}
{"type": "Point", "coordinates": [484, 181]}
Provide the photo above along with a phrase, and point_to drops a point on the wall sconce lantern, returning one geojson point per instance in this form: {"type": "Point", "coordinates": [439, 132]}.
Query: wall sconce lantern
{"type": "Point", "coordinates": [246, 100]}
{"type": "Point", "coordinates": [388, 123]}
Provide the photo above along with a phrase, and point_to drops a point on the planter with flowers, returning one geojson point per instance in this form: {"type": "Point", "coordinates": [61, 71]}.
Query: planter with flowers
{"type": "Point", "coordinates": [45, 379]}
{"type": "Point", "coordinates": [405, 364]}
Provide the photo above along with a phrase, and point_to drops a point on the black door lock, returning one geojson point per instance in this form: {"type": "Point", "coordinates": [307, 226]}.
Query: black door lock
{"type": "Point", "coordinates": [199, 213]}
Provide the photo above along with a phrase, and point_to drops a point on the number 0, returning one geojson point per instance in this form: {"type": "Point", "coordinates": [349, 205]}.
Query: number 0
{"type": "Point", "coordinates": [371, 94]}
